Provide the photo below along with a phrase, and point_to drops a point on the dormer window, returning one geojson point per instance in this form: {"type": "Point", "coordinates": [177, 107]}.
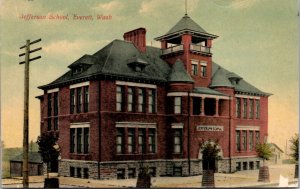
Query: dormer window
{"type": "Point", "coordinates": [137, 64]}
{"type": "Point", "coordinates": [234, 78]}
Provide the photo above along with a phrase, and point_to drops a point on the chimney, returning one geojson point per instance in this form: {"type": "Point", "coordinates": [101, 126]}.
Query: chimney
{"type": "Point", "coordinates": [137, 37]}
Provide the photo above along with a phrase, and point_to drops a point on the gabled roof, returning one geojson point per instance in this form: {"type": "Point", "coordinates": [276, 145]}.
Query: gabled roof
{"type": "Point", "coordinates": [179, 74]}
{"type": "Point", "coordinates": [186, 24]}
{"type": "Point", "coordinates": [275, 146]}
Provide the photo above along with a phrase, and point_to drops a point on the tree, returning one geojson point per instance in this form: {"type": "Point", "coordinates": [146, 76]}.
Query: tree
{"type": "Point", "coordinates": [265, 152]}
{"type": "Point", "coordinates": [210, 154]}
{"type": "Point", "coordinates": [295, 152]}
{"type": "Point", "coordinates": [48, 148]}
{"type": "Point", "coordinates": [295, 148]}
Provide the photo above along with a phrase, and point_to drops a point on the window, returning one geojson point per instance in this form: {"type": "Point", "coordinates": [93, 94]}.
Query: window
{"type": "Point", "coordinates": [244, 108]}
{"type": "Point", "coordinates": [251, 108]}
{"type": "Point", "coordinates": [151, 140]}
{"type": "Point", "coordinates": [86, 137]}
{"type": "Point", "coordinates": [177, 171]}
{"type": "Point", "coordinates": [238, 140]}
{"type": "Point", "coordinates": [72, 172]}
{"type": "Point", "coordinates": [197, 103]}
{"type": "Point", "coordinates": [120, 140]}
{"type": "Point", "coordinates": [195, 69]}
{"type": "Point", "coordinates": [257, 136]}
{"type": "Point", "coordinates": [177, 141]}
{"type": "Point", "coordinates": [152, 171]}
{"type": "Point", "coordinates": [151, 101]}
{"type": "Point", "coordinates": [49, 105]}
{"type": "Point", "coordinates": [86, 99]}
{"type": "Point", "coordinates": [72, 140]}
{"type": "Point", "coordinates": [72, 101]}
{"type": "Point", "coordinates": [250, 140]}
{"type": "Point", "coordinates": [257, 109]}
{"type": "Point", "coordinates": [55, 104]}
{"type": "Point", "coordinates": [238, 166]}
{"type": "Point", "coordinates": [141, 101]}
{"type": "Point", "coordinates": [141, 140]}
{"type": "Point", "coordinates": [49, 124]}
{"type": "Point", "coordinates": [120, 173]}
{"type": "Point", "coordinates": [257, 164]}
{"type": "Point", "coordinates": [131, 141]}
{"type": "Point", "coordinates": [120, 98]}
{"type": "Point", "coordinates": [130, 99]}
{"type": "Point", "coordinates": [245, 140]}
{"type": "Point", "coordinates": [79, 172]}
{"type": "Point", "coordinates": [79, 140]}
{"type": "Point", "coordinates": [245, 165]}
{"type": "Point", "coordinates": [251, 165]}
{"type": "Point", "coordinates": [85, 173]}
{"type": "Point", "coordinates": [131, 173]}
{"type": "Point", "coordinates": [79, 100]}
{"type": "Point", "coordinates": [238, 107]}
{"type": "Point", "coordinates": [56, 123]}
{"type": "Point", "coordinates": [177, 105]}
{"type": "Point", "coordinates": [203, 69]}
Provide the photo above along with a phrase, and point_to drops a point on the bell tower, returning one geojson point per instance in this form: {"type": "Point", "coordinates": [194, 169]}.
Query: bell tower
{"type": "Point", "coordinates": [190, 43]}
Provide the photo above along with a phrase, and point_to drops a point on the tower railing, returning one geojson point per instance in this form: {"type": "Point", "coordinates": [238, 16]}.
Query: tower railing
{"type": "Point", "coordinates": [172, 49]}
{"type": "Point", "coordinates": [199, 48]}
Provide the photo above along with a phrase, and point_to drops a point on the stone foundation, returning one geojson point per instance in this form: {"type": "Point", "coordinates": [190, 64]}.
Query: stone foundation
{"type": "Point", "coordinates": [130, 169]}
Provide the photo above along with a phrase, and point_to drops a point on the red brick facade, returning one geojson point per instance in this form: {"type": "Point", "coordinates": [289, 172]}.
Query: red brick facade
{"type": "Point", "coordinates": [107, 128]}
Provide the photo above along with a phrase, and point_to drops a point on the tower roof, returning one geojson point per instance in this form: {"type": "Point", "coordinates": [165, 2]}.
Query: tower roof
{"type": "Point", "coordinates": [186, 24]}
{"type": "Point", "coordinates": [179, 74]}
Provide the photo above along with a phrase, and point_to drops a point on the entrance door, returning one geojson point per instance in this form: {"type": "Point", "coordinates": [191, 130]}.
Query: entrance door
{"type": "Point", "coordinates": [209, 164]}
{"type": "Point", "coordinates": [54, 166]}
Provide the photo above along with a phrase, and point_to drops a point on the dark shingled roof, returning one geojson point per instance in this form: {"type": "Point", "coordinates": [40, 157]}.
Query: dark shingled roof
{"type": "Point", "coordinates": [112, 60]}
{"type": "Point", "coordinates": [85, 59]}
{"type": "Point", "coordinates": [186, 24]}
{"type": "Point", "coordinates": [179, 74]}
{"type": "Point", "coordinates": [33, 157]}
{"type": "Point", "coordinates": [221, 78]}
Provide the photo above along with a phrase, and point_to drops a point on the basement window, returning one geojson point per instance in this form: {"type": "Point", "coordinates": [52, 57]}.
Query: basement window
{"type": "Point", "coordinates": [120, 173]}
{"type": "Point", "coordinates": [177, 171]}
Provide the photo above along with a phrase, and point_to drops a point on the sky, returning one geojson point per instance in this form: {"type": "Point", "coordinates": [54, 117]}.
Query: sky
{"type": "Point", "coordinates": [258, 40]}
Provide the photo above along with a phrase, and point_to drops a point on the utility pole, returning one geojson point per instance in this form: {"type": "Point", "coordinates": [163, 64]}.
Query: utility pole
{"type": "Point", "coordinates": [26, 103]}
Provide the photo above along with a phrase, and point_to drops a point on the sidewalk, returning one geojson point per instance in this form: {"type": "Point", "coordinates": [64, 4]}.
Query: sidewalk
{"type": "Point", "coordinates": [238, 179]}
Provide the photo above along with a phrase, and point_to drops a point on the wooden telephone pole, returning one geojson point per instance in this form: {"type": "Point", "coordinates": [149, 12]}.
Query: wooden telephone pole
{"type": "Point", "coordinates": [26, 103]}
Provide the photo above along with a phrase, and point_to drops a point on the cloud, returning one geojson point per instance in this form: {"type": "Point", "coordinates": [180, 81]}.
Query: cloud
{"type": "Point", "coordinates": [111, 6]}
{"type": "Point", "coordinates": [65, 47]}
{"type": "Point", "coordinates": [158, 6]}
{"type": "Point", "coordinates": [235, 4]}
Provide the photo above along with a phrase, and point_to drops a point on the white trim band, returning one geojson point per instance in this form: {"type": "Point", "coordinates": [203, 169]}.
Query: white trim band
{"type": "Point", "coordinates": [177, 94]}
{"type": "Point", "coordinates": [133, 84]}
{"type": "Point", "coordinates": [53, 90]}
{"type": "Point", "coordinates": [80, 125]}
{"type": "Point", "coordinates": [209, 96]}
{"type": "Point", "coordinates": [177, 125]}
{"type": "Point", "coordinates": [80, 84]}
{"type": "Point", "coordinates": [242, 127]}
{"type": "Point", "coordinates": [247, 96]}
{"type": "Point", "coordinates": [136, 124]}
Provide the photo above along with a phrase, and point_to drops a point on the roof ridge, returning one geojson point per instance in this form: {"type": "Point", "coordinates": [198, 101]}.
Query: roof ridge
{"type": "Point", "coordinates": [112, 46]}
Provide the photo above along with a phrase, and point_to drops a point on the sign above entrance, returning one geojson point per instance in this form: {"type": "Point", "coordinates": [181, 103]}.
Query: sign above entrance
{"type": "Point", "coordinates": [215, 128]}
